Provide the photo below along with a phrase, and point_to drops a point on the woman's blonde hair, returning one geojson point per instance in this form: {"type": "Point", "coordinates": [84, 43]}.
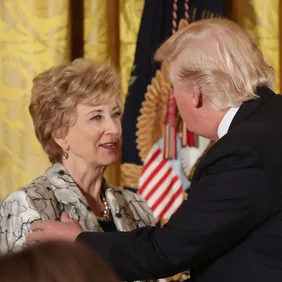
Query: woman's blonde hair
{"type": "Point", "coordinates": [221, 58]}
{"type": "Point", "coordinates": [57, 91]}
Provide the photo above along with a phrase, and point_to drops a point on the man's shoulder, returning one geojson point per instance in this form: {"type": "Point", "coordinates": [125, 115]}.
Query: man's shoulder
{"type": "Point", "coordinates": [232, 152]}
{"type": "Point", "coordinates": [250, 144]}
{"type": "Point", "coordinates": [255, 136]}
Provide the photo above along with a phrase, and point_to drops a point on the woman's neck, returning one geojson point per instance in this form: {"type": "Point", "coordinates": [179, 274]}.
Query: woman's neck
{"type": "Point", "coordinates": [88, 178]}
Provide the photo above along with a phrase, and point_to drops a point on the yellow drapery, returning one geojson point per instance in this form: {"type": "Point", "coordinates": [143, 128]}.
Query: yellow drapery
{"type": "Point", "coordinates": [262, 19]}
{"type": "Point", "coordinates": [34, 35]}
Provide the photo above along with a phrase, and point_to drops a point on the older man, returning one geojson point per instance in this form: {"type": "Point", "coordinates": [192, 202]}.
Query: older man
{"type": "Point", "coordinates": [230, 228]}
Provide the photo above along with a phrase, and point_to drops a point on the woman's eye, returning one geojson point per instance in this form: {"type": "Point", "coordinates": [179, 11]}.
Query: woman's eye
{"type": "Point", "coordinates": [117, 114]}
{"type": "Point", "coordinates": [98, 117]}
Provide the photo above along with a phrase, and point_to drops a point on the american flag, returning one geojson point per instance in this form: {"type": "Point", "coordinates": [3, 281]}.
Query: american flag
{"type": "Point", "coordinates": [160, 184]}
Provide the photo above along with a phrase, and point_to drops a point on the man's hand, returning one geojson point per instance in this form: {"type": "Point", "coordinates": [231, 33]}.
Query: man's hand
{"type": "Point", "coordinates": [51, 230]}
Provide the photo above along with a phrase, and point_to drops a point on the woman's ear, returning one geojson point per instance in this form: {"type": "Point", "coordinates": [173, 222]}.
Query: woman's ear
{"type": "Point", "coordinates": [60, 140]}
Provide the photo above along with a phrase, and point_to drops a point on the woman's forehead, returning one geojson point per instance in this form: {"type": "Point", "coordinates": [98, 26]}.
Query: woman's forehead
{"type": "Point", "coordinates": [106, 104]}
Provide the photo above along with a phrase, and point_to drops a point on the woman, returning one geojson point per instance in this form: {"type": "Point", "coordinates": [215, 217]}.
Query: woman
{"type": "Point", "coordinates": [57, 262]}
{"type": "Point", "coordinates": [76, 111]}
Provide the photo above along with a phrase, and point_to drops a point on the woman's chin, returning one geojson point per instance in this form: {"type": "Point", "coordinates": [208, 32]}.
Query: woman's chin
{"type": "Point", "coordinates": [109, 160]}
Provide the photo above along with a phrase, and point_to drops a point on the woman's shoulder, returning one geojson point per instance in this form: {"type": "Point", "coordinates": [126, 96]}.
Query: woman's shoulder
{"type": "Point", "coordinates": [20, 209]}
{"type": "Point", "coordinates": [36, 199]}
{"type": "Point", "coordinates": [38, 189]}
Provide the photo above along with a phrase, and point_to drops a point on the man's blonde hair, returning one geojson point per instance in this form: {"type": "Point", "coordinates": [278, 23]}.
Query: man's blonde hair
{"type": "Point", "coordinates": [57, 91]}
{"type": "Point", "coordinates": [221, 58]}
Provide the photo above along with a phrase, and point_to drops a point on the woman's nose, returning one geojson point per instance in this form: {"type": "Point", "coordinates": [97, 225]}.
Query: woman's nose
{"type": "Point", "coordinates": [113, 126]}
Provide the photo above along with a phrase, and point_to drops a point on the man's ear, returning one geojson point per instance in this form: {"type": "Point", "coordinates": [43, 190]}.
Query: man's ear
{"type": "Point", "coordinates": [197, 97]}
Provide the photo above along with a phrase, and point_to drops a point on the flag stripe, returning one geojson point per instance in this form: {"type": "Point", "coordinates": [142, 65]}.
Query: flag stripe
{"type": "Point", "coordinates": [165, 193]}
{"type": "Point", "coordinates": [152, 175]}
{"type": "Point", "coordinates": [158, 184]}
{"type": "Point", "coordinates": [174, 207]}
{"type": "Point", "coordinates": [159, 191]}
{"type": "Point", "coordinates": [175, 196]}
{"type": "Point", "coordinates": [158, 210]}
{"type": "Point", "coordinates": [151, 159]}
{"type": "Point", "coordinates": [154, 181]}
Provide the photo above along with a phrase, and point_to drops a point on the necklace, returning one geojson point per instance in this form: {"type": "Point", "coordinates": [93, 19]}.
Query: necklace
{"type": "Point", "coordinates": [107, 215]}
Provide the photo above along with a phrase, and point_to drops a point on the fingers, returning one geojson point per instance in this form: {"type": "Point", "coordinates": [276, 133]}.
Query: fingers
{"type": "Point", "coordinates": [48, 230]}
{"type": "Point", "coordinates": [37, 230]}
{"type": "Point", "coordinates": [65, 217]}
{"type": "Point", "coordinates": [35, 236]}
{"type": "Point", "coordinates": [40, 225]}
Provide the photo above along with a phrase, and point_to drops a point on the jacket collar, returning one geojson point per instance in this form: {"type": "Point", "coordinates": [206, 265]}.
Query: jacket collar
{"type": "Point", "coordinates": [249, 107]}
{"type": "Point", "coordinates": [64, 187]}
{"type": "Point", "coordinates": [67, 193]}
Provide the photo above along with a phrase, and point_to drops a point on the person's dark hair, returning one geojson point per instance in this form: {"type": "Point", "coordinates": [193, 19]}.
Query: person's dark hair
{"type": "Point", "coordinates": [56, 262]}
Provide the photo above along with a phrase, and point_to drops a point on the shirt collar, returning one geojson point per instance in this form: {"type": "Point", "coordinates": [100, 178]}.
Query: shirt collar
{"type": "Point", "coordinates": [226, 121]}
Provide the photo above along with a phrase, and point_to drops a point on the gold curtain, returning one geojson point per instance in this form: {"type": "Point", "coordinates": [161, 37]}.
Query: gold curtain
{"type": "Point", "coordinates": [261, 17]}
{"type": "Point", "coordinates": [111, 35]}
{"type": "Point", "coordinates": [34, 35]}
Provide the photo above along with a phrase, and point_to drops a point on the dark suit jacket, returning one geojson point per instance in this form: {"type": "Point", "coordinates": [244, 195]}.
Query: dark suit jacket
{"type": "Point", "coordinates": [230, 228]}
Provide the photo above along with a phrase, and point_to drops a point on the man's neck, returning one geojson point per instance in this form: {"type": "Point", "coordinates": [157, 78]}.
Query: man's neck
{"type": "Point", "coordinates": [226, 121]}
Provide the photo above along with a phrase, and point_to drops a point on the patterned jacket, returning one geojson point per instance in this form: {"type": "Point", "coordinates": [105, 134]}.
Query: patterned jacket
{"type": "Point", "coordinates": [55, 191]}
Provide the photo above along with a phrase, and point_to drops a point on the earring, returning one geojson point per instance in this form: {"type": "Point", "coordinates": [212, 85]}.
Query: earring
{"type": "Point", "coordinates": [65, 155]}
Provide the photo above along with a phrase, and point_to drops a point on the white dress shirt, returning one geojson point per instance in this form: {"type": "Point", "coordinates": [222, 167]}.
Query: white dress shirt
{"type": "Point", "coordinates": [226, 121]}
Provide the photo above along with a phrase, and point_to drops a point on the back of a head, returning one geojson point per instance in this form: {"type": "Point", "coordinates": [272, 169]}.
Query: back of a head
{"type": "Point", "coordinates": [56, 262]}
{"type": "Point", "coordinates": [222, 58]}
